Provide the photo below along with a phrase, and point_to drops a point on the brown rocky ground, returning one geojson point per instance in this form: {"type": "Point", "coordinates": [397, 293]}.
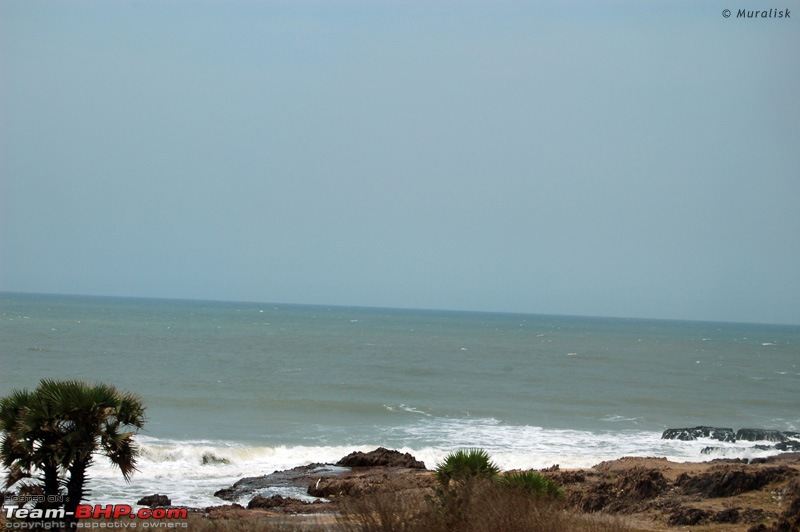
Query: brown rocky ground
{"type": "Point", "coordinates": [722, 495]}
{"type": "Point", "coordinates": [648, 494]}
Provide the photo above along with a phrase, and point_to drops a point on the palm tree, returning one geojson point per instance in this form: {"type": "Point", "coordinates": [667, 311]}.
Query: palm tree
{"type": "Point", "coordinates": [59, 427]}
{"type": "Point", "coordinates": [29, 441]}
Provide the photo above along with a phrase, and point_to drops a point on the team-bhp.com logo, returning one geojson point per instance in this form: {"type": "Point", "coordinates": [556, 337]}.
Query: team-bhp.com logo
{"type": "Point", "coordinates": [160, 517]}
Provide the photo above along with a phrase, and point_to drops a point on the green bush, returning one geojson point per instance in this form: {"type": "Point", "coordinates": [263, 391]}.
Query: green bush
{"type": "Point", "coordinates": [465, 464]}
{"type": "Point", "coordinates": [532, 483]}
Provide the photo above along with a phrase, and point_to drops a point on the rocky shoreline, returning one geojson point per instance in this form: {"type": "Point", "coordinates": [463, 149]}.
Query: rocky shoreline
{"type": "Point", "coordinates": [644, 494]}
{"type": "Point", "coordinates": [650, 494]}
{"type": "Point", "coordinates": [779, 440]}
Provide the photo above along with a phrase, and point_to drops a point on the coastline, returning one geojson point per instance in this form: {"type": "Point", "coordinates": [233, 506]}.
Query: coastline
{"type": "Point", "coordinates": [642, 494]}
{"type": "Point", "coordinates": [629, 493]}
{"type": "Point", "coordinates": [645, 494]}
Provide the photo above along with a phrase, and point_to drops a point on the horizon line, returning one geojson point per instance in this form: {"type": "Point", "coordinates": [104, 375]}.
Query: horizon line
{"type": "Point", "coordinates": [380, 307]}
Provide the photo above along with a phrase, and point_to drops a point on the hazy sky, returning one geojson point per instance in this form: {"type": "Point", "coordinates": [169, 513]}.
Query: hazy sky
{"type": "Point", "coordinates": [624, 158]}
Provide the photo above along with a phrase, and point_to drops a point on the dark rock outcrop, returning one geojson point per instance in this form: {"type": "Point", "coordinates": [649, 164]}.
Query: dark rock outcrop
{"type": "Point", "coordinates": [621, 491]}
{"type": "Point", "coordinates": [567, 477]}
{"type": "Point", "coordinates": [299, 477]}
{"type": "Point", "coordinates": [686, 516]}
{"type": "Point", "coordinates": [786, 441]}
{"type": "Point", "coordinates": [785, 446]}
{"type": "Point", "coordinates": [761, 435]}
{"type": "Point", "coordinates": [711, 449]}
{"type": "Point", "coordinates": [154, 500]}
{"type": "Point", "coordinates": [594, 499]}
{"type": "Point", "coordinates": [381, 457]}
{"type": "Point", "coordinates": [276, 501]}
{"type": "Point", "coordinates": [321, 480]}
{"type": "Point", "coordinates": [641, 483]}
{"type": "Point", "coordinates": [371, 481]}
{"type": "Point", "coordinates": [731, 515]}
{"type": "Point", "coordinates": [790, 518]}
{"type": "Point", "coordinates": [789, 445]}
{"type": "Point", "coordinates": [687, 434]}
{"type": "Point", "coordinates": [728, 482]}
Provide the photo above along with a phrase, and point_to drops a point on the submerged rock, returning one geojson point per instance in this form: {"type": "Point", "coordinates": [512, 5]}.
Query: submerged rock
{"type": "Point", "coordinates": [298, 477]}
{"type": "Point", "coordinates": [687, 434]}
{"type": "Point", "coordinates": [761, 435]}
{"type": "Point", "coordinates": [789, 445]}
{"type": "Point", "coordinates": [210, 459]}
{"type": "Point", "coordinates": [154, 500]}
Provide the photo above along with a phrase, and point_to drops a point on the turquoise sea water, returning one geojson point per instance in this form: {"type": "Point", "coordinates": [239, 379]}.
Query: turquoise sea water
{"type": "Point", "coordinates": [273, 386]}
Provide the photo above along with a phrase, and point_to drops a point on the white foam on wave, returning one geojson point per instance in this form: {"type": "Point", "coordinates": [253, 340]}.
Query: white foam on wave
{"type": "Point", "coordinates": [531, 447]}
{"type": "Point", "coordinates": [190, 471]}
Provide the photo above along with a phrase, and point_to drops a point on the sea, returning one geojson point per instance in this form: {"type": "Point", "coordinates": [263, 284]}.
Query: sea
{"type": "Point", "coordinates": [235, 389]}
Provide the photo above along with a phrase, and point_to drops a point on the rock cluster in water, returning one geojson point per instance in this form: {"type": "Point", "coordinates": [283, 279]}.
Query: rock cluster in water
{"type": "Point", "coordinates": [785, 440]}
{"type": "Point", "coordinates": [154, 501]}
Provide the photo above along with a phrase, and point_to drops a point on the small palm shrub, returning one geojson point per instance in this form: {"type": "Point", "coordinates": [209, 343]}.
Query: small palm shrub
{"type": "Point", "coordinates": [532, 483]}
{"type": "Point", "coordinates": [465, 464]}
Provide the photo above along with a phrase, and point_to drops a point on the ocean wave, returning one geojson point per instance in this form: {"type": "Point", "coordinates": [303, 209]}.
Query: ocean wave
{"type": "Point", "coordinates": [190, 471]}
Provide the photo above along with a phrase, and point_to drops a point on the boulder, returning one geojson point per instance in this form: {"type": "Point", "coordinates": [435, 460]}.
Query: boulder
{"type": "Point", "coordinates": [154, 500]}
{"type": "Point", "coordinates": [258, 501]}
{"type": "Point", "coordinates": [380, 457]}
{"type": "Point", "coordinates": [687, 434]}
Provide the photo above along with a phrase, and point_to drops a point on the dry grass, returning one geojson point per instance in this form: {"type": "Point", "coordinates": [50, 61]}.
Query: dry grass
{"type": "Point", "coordinates": [470, 507]}
{"type": "Point", "coordinates": [467, 506]}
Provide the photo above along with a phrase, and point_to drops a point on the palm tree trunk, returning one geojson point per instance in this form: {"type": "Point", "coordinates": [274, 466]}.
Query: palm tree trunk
{"type": "Point", "coordinates": [51, 485]}
{"type": "Point", "coordinates": [75, 493]}
{"type": "Point", "coordinates": [52, 494]}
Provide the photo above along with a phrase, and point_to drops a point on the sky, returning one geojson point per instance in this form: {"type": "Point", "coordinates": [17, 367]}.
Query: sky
{"type": "Point", "coordinates": [626, 158]}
